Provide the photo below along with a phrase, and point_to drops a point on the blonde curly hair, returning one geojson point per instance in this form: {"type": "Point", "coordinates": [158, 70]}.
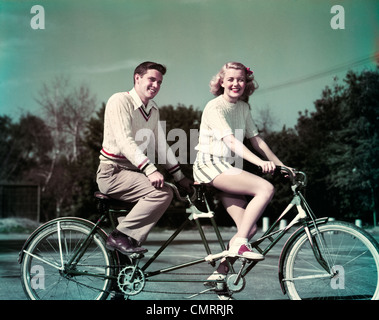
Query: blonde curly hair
{"type": "Point", "coordinates": [251, 85]}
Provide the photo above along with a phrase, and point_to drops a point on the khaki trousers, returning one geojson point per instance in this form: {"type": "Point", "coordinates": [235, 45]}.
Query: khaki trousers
{"type": "Point", "coordinates": [133, 186]}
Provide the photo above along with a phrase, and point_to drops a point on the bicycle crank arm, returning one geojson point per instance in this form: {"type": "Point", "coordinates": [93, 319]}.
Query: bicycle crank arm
{"type": "Point", "coordinates": [216, 256]}
{"type": "Point", "coordinates": [199, 293]}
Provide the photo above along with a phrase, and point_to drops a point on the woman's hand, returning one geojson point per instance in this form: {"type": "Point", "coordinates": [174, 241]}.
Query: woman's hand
{"type": "Point", "coordinates": [292, 170]}
{"type": "Point", "coordinates": [267, 167]}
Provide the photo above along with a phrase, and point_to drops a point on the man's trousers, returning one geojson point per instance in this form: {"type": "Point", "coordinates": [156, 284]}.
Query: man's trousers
{"type": "Point", "coordinates": [135, 187]}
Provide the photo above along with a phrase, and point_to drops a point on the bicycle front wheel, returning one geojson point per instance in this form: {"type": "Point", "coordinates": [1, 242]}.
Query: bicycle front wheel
{"type": "Point", "coordinates": [46, 273]}
{"type": "Point", "coordinates": [352, 260]}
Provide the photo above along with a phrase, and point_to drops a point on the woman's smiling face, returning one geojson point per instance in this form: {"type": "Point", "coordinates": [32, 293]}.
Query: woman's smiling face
{"type": "Point", "coordinates": [234, 84]}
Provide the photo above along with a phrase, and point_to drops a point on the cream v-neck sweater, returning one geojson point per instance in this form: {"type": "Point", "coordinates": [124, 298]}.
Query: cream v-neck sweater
{"type": "Point", "coordinates": [132, 135]}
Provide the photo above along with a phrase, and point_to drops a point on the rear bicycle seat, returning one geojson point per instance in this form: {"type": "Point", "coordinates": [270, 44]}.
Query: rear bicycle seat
{"type": "Point", "coordinates": [106, 202]}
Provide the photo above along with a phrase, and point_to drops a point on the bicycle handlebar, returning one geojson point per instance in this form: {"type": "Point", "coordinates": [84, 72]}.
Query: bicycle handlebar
{"type": "Point", "coordinates": [295, 176]}
{"type": "Point", "coordinates": [177, 192]}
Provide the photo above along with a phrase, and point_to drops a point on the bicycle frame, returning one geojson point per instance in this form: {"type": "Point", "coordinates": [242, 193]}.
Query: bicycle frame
{"type": "Point", "coordinates": [304, 216]}
{"type": "Point", "coordinates": [307, 220]}
{"type": "Point", "coordinates": [75, 253]}
{"type": "Point", "coordinates": [194, 215]}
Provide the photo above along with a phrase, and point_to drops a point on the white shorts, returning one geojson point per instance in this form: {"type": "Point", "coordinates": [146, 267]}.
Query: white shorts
{"type": "Point", "coordinates": [207, 167]}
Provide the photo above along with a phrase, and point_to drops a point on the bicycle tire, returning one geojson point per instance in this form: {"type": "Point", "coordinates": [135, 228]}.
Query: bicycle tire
{"type": "Point", "coordinates": [42, 280]}
{"type": "Point", "coordinates": [353, 259]}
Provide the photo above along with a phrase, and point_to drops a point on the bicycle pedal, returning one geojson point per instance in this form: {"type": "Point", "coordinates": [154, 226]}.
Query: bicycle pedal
{"type": "Point", "coordinates": [214, 283]}
{"type": "Point", "coordinates": [116, 296]}
{"type": "Point", "coordinates": [244, 258]}
{"type": "Point", "coordinates": [135, 256]}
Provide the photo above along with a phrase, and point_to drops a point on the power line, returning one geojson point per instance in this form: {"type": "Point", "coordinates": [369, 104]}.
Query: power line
{"type": "Point", "coordinates": [341, 67]}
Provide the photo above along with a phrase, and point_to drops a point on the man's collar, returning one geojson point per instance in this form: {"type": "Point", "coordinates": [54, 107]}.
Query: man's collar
{"type": "Point", "coordinates": [138, 102]}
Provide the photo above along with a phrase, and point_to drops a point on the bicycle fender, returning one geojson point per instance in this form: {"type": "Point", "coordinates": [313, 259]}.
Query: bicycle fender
{"type": "Point", "coordinates": [288, 244]}
{"type": "Point", "coordinates": [47, 224]}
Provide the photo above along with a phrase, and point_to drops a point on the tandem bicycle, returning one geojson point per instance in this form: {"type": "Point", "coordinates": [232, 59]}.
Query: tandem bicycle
{"type": "Point", "coordinates": [66, 258]}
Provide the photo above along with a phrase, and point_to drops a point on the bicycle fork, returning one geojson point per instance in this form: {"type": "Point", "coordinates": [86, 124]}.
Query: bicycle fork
{"type": "Point", "coordinates": [316, 247]}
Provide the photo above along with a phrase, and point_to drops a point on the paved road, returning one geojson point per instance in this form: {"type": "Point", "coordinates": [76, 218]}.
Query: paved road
{"type": "Point", "coordinates": [261, 283]}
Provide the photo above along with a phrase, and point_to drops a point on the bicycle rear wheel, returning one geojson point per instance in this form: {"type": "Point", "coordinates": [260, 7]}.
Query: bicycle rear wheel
{"type": "Point", "coordinates": [43, 276]}
{"type": "Point", "coordinates": [352, 258]}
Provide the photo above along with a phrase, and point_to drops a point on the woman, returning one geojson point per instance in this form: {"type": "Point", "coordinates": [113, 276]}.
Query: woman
{"type": "Point", "coordinates": [225, 122]}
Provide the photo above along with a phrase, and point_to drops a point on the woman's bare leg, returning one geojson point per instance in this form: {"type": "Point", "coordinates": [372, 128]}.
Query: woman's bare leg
{"type": "Point", "coordinates": [245, 214]}
{"type": "Point", "coordinates": [238, 182]}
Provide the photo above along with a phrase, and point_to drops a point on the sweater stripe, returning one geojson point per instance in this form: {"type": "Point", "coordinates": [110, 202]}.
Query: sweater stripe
{"type": "Point", "coordinates": [112, 155]}
{"type": "Point", "coordinates": [143, 164]}
{"type": "Point", "coordinates": [174, 169]}
{"type": "Point", "coordinates": [144, 114]}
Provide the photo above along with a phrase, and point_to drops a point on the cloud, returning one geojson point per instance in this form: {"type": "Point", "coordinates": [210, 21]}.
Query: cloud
{"type": "Point", "coordinates": [11, 45]}
{"type": "Point", "coordinates": [115, 66]}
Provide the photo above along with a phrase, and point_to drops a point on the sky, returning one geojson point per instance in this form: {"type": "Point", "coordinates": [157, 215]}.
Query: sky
{"type": "Point", "coordinates": [289, 44]}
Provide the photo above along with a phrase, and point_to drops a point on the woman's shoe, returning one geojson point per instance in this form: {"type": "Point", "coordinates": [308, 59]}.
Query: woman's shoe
{"type": "Point", "coordinates": [225, 296]}
{"type": "Point", "coordinates": [215, 279]}
{"type": "Point", "coordinates": [244, 251]}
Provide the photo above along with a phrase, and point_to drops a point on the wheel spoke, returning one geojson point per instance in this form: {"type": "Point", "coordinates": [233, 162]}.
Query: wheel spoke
{"type": "Point", "coordinates": [46, 269]}
{"type": "Point", "coordinates": [353, 259]}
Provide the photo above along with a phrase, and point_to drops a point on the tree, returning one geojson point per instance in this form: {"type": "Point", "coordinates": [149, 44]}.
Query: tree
{"type": "Point", "coordinates": [6, 147]}
{"type": "Point", "coordinates": [355, 162]}
{"type": "Point", "coordinates": [340, 141]}
{"type": "Point", "coordinates": [67, 112]}
{"type": "Point", "coordinates": [88, 163]}
{"type": "Point", "coordinates": [265, 120]}
{"type": "Point", "coordinates": [24, 148]}
{"type": "Point", "coordinates": [188, 121]}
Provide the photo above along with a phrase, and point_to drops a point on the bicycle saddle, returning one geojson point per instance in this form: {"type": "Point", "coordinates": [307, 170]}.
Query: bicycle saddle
{"type": "Point", "coordinates": [114, 203]}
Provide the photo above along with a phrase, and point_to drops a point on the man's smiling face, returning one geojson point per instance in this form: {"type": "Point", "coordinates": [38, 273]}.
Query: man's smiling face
{"type": "Point", "coordinates": [148, 85]}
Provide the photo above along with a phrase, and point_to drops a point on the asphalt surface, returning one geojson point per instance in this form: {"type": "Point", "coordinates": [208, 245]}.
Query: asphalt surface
{"type": "Point", "coordinates": [261, 283]}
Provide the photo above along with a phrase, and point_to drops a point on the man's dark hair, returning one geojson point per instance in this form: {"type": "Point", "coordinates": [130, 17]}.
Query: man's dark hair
{"type": "Point", "coordinates": [147, 65]}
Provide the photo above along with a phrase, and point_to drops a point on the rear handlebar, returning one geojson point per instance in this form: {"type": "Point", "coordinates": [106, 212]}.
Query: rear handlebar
{"type": "Point", "coordinates": [182, 194]}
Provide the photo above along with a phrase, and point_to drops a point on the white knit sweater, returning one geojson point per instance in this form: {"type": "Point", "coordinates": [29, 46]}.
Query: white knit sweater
{"type": "Point", "coordinates": [132, 132]}
{"type": "Point", "coordinates": [221, 118]}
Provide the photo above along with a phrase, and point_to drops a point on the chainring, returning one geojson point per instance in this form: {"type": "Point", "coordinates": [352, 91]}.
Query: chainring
{"type": "Point", "coordinates": [131, 280]}
{"type": "Point", "coordinates": [235, 287]}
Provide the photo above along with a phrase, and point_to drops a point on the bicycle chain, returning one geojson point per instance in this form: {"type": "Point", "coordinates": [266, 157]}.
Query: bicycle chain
{"type": "Point", "coordinates": [149, 291]}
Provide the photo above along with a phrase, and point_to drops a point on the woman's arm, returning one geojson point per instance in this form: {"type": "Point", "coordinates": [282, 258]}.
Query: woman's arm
{"type": "Point", "coordinates": [241, 150]}
{"type": "Point", "coordinates": [263, 149]}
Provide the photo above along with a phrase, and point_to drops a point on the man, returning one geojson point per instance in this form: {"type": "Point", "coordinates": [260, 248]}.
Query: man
{"type": "Point", "coordinates": [125, 171]}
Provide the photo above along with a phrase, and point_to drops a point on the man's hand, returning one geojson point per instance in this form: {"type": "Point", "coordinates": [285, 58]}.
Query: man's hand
{"type": "Point", "coordinates": [186, 184]}
{"type": "Point", "coordinates": [156, 179]}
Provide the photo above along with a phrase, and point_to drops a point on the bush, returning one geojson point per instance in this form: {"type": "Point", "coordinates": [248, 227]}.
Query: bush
{"type": "Point", "coordinates": [17, 225]}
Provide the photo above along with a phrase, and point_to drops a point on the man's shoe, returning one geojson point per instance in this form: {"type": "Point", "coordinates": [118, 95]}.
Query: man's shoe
{"type": "Point", "coordinates": [123, 243]}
